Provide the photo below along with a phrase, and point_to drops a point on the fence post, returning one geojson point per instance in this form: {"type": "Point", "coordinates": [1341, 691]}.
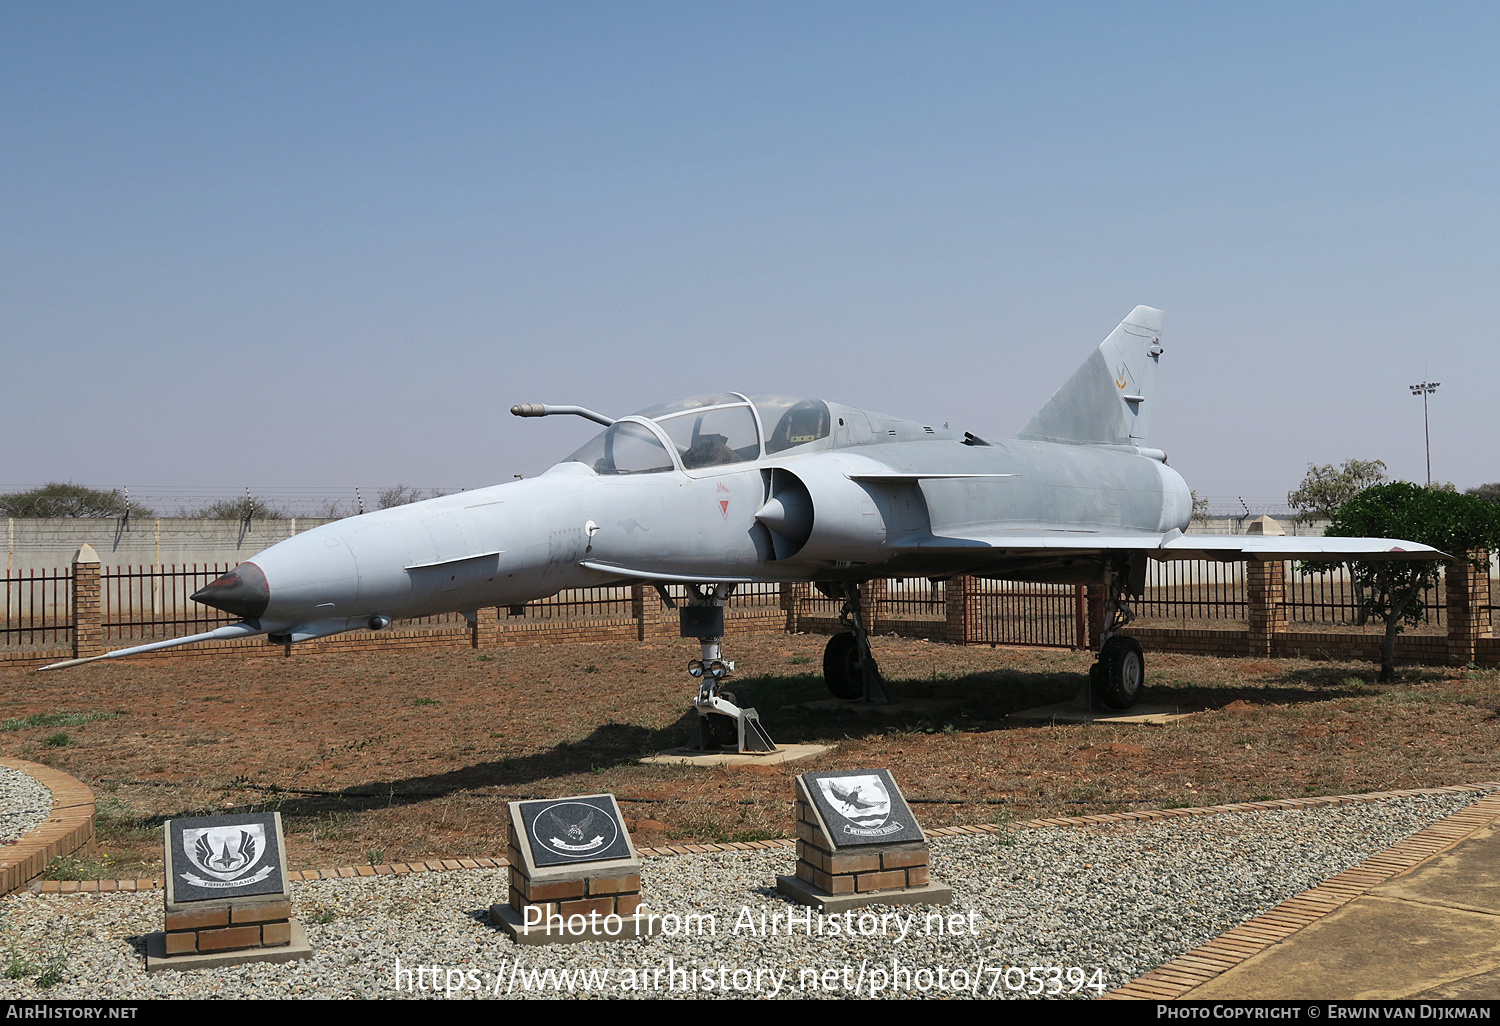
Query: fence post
{"type": "Point", "coordinates": [645, 608]}
{"type": "Point", "coordinates": [485, 631]}
{"type": "Point", "coordinates": [1265, 592]}
{"type": "Point", "coordinates": [1080, 617]}
{"type": "Point", "coordinates": [956, 610]}
{"type": "Point", "coordinates": [1468, 606]}
{"type": "Point", "coordinates": [872, 596]}
{"type": "Point", "coordinates": [88, 632]}
{"type": "Point", "coordinates": [792, 594]}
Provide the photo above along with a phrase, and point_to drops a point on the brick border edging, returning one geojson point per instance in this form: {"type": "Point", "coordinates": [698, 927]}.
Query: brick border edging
{"type": "Point", "coordinates": [69, 828]}
{"type": "Point", "coordinates": [445, 865]}
{"type": "Point", "coordinates": [1234, 947]}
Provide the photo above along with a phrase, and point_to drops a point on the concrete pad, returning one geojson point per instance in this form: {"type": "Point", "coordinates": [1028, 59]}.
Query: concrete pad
{"type": "Point", "coordinates": [1372, 949]}
{"type": "Point", "coordinates": [918, 706]}
{"type": "Point", "coordinates": [693, 757]}
{"type": "Point", "coordinates": [1074, 711]}
{"type": "Point", "coordinates": [1466, 876]}
{"type": "Point", "coordinates": [157, 958]}
{"type": "Point", "coordinates": [804, 893]}
{"type": "Point", "coordinates": [1479, 987]}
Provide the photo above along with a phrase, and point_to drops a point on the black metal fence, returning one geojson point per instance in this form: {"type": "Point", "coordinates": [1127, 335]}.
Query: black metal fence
{"type": "Point", "coordinates": [1007, 613]}
{"type": "Point", "coordinates": [36, 605]}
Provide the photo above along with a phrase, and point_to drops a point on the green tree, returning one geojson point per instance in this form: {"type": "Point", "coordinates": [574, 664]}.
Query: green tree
{"type": "Point", "coordinates": [1489, 491]}
{"type": "Point", "coordinates": [1464, 526]}
{"type": "Point", "coordinates": [56, 499]}
{"type": "Point", "coordinates": [1326, 487]}
{"type": "Point", "coordinates": [1200, 509]}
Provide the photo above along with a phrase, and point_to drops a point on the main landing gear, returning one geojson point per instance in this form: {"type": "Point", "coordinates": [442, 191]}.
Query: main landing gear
{"type": "Point", "coordinates": [721, 722]}
{"type": "Point", "coordinates": [1118, 678]}
{"type": "Point", "coordinates": [848, 665]}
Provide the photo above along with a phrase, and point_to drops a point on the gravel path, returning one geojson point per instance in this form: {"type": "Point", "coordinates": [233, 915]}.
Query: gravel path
{"type": "Point", "coordinates": [1107, 902]}
{"type": "Point", "coordinates": [24, 804]}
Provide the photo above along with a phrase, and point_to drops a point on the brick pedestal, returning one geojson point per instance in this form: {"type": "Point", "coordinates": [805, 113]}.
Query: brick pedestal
{"type": "Point", "coordinates": [558, 904]}
{"type": "Point", "coordinates": [207, 932]}
{"type": "Point", "coordinates": [232, 926]}
{"type": "Point", "coordinates": [893, 867]}
{"type": "Point", "coordinates": [835, 879]}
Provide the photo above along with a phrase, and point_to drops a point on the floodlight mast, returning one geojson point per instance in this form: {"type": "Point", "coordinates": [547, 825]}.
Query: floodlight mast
{"type": "Point", "coordinates": [1425, 389]}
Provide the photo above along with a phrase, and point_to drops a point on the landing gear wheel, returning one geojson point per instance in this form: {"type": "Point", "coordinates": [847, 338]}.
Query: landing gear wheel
{"type": "Point", "coordinates": [842, 669]}
{"type": "Point", "coordinates": [1121, 676]}
{"type": "Point", "coordinates": [721, 730]}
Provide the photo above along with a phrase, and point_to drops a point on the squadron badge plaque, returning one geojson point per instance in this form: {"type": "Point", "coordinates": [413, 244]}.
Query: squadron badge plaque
{"type": "Point", "coordinates": [223, 857]}
{"type": "Point", "coordinates": [226, 895]}
{"type": "Point", "coordinates": [858, 844]}
{"type": "Point", "coordinates": [574, 830]}
{"type": "Point", "coordinates": [574, 875]}
{"type": "Point", "coordinates": [862, 807]}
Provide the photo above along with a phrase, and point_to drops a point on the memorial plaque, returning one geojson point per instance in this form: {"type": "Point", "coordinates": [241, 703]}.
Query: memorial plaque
{"type": "Point", "coordinates": [574, 875]}
{"type": "Point", "coordinates": [573, 831]}
{"type": "Point", "coordinates": [221, 858]}
{"type": "Point", "coordinates": [858, 844]}
{"type": "Point", "coordinates": [862, 807]}
{"type": "Point", "coordinates": [226, 899]}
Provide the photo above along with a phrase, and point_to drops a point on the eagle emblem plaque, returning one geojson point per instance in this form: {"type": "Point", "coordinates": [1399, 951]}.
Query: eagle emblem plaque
{"type": "Point", "coordinates": [569, 831]}
{"type": "Point", "coordinates": [862, 807]}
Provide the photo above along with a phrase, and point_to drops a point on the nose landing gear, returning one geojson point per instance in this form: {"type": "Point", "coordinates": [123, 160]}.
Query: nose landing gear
{"type": "Point", "coordinates": [721, 722]}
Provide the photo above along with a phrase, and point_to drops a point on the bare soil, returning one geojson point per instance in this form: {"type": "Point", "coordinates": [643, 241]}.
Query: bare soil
{"type": "Point", "coordinates": [407, 756]}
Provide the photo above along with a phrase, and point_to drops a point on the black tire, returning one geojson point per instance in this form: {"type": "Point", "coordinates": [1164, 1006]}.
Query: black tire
{"type": "Point", "coordinates": [1122, 673]}
{"type": "Point", "coordinates": [842, 670]}
{"type": "Point", "coordinates": [721, 730]}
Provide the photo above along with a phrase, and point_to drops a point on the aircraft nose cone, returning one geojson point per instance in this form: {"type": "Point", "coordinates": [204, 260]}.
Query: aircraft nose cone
{"type": "Point", "coordinates": [243, 592]}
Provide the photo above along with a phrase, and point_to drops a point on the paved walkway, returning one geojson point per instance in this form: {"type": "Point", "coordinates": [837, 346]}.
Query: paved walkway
{"type": "Point", "coordinates": [1419, 920]}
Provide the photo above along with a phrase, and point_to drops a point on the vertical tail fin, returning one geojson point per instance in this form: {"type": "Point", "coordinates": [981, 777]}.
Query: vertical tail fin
{"type": "Point", "coordinates": [1107, 400]}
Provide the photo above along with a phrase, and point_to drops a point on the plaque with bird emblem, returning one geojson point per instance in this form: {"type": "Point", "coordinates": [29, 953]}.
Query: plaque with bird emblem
{"type": "Point", "coordinates": [568, 831]}
{"type": "Point", "coordinates": [219, 858]}
{"type": "Point", "coordinates": [862, 807]}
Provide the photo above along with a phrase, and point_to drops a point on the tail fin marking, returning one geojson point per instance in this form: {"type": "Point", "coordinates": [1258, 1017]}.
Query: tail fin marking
{"type": "Point", "coordinates": [1108, 400]}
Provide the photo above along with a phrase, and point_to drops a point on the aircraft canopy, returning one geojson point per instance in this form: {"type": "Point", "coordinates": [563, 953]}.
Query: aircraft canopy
{"type": "Point", "coordinates": [705, 431]}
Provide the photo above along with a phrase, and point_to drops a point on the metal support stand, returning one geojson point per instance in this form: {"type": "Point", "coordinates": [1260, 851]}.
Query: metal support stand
{"type": "Point", "coordinates": [721, 722]}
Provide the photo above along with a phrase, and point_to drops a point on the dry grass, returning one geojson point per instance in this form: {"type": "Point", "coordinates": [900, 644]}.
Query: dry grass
{"type": "Point", "coordinates": [413, 755]}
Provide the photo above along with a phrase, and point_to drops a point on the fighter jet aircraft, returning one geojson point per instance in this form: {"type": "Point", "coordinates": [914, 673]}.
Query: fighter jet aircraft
{"type": "Point", "coordinates": [719, 490]}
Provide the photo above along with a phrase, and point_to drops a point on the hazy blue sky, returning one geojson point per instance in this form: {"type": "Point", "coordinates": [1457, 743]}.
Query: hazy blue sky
{"type": "Point", "coordinates": [327, 245]}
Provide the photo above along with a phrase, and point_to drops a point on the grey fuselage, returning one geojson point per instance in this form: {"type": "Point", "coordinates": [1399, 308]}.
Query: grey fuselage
{"type": "Point", "coordinates": [876, 497]}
